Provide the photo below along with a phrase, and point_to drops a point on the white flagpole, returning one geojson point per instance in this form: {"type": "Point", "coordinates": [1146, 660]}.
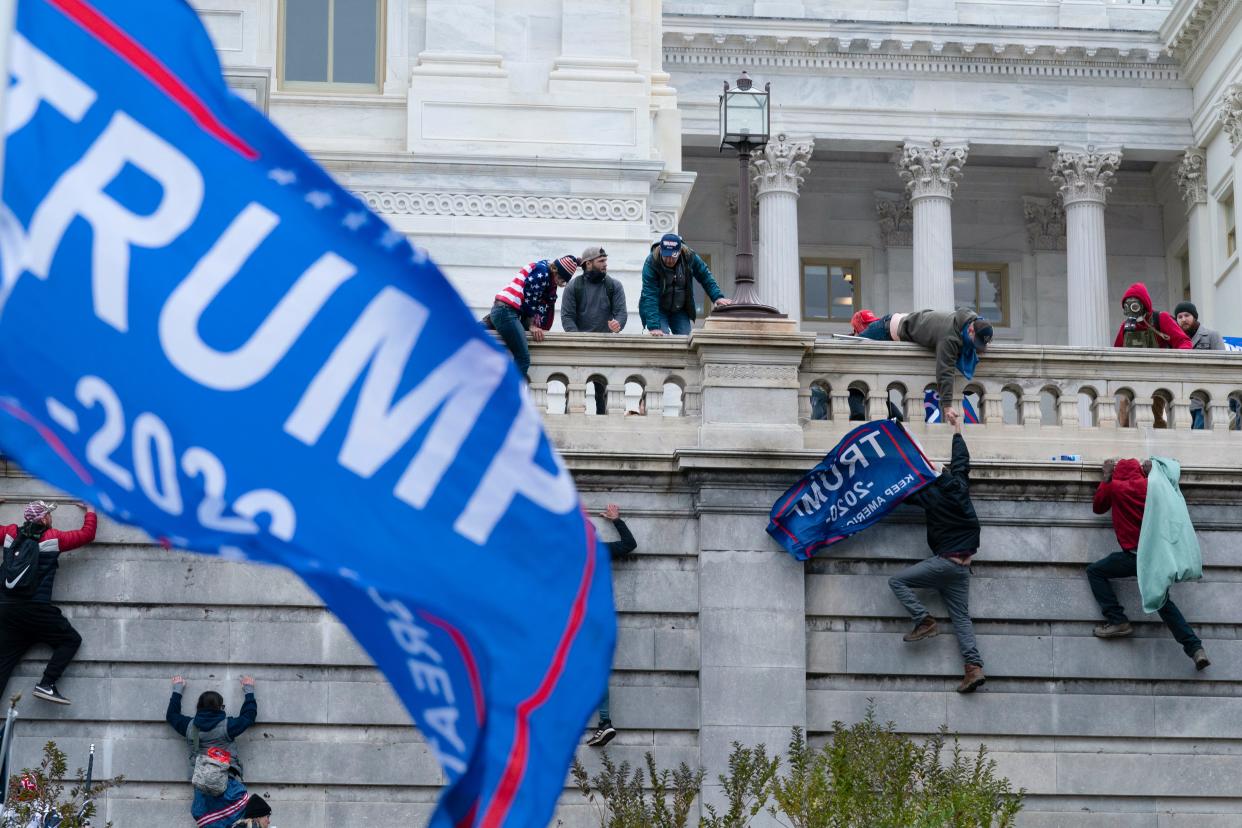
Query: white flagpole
{"type": "Point", "coordinates": [8, 19]}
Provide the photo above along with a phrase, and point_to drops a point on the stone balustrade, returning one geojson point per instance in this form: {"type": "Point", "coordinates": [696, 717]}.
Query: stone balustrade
{"type": "Point", "coordinates": [1032, 401]}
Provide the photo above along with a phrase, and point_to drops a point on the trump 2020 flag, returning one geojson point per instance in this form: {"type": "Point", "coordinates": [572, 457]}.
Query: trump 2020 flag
{"type": "Point", "coordinates": [209, 338]}
{"type": "Point", "coordinates": [872, 469]}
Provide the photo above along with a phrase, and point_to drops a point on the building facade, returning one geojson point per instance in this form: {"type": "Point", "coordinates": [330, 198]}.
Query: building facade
{"type": "Point", "coordinates": [1027, 157]}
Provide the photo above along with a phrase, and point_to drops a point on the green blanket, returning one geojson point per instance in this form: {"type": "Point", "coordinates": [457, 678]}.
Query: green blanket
{"type": "Point", "coordinates": [1168, 550]}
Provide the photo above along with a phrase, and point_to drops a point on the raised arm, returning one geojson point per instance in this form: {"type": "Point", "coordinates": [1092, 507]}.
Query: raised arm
{"type": "Point", "coordinates": [176, 720]}
{"type": "Point", "coordinates": [78, 538]}
{"type": "Point", "coordinates": [249, 710]}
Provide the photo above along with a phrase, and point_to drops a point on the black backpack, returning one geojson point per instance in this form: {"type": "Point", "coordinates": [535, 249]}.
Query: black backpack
{"type": "Point", "coordinates": [20, 569]}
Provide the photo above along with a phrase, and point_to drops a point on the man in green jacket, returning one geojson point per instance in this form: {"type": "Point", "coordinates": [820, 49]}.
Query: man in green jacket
{"type": "Point", "coordinates": [667, 301]}
{"type": "Point", "coordinates": [958, 339]}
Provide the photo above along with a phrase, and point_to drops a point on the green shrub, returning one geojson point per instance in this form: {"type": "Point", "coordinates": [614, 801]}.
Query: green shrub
{"type": "Point", "coordinates": [625, 802]}
{"type": "Point", "coordinates": [44, 791]}
{"type": "Point", "coordinates": [865, 776]}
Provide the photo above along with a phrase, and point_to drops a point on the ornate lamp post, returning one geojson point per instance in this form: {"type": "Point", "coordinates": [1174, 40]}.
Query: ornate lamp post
{"type": "Point", "coordinates": [745, 125]}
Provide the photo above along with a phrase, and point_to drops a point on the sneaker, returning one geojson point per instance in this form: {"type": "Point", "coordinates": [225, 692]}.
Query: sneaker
{"type": "Point", "coordinates": [972, 680]}
{"type": "Point", "coordinates": [1201, 659]}
{"type": "Point", "coordinates": [924, 629]}
{"type": "Point", "coordinates": [48, 692]}
{"type": "Point", "coordinates": [603, 735]}
{"type": "Point", "coordinates": [1111, 630]}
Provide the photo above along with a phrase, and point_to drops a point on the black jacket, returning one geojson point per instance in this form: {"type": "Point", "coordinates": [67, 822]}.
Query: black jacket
{"type": "Point", "coordinates": [952, 525]}
{"type": "Point", "coordinates": [627, 544]}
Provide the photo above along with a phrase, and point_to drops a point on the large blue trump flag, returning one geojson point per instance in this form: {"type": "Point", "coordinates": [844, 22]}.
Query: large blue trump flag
{"type": "Point", "coordinates": [207, 337]}
{"type": "Point", "coordinates": [872, 469]}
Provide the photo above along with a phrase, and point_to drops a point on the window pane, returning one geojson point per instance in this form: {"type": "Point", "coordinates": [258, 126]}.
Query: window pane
{"type": "Point", "coordinates": [964, 288]}
{"type": "Point", "coordinates": [991, 285]}
{"type": "Point", "coordinates": [306, 40]}
{"type": "Point", "coordinates": [815, 290]}
{"type": "Point", "coordinates": [841, 287]}
{"type": "Point", "coordinates": [355, 39]}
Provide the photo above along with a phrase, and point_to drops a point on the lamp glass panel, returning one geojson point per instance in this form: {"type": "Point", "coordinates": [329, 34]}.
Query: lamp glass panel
{"type": "Point", "coordinates": [747, 116]}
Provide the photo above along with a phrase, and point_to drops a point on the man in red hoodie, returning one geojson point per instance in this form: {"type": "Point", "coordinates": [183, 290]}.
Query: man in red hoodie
{"type": "Point", "coordinates": [1124, 490]}
{"type": "Point", "coordinates": [1143, 327]}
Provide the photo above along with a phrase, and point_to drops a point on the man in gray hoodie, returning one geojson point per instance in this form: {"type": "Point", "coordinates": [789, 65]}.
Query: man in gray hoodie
{"type": "Point", "coordinates": [958, 339]}
{"type": "Point", "coordinates": [594, 302]}
{"type": "Point", "coordinates": [1202, 338]}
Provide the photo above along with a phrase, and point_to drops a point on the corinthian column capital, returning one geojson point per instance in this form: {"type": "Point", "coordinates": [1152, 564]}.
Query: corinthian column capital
{"type": "Point", "coordinates": [931, 169]}
{"type": "Point", "coordinates": [782, 165]}
{"type": "Point", "coordinates": [1190, 176]}
{"type": "Point", "coordinates": [1084, 173]}
{"type": "Point", "coordinates": [1230, 109]}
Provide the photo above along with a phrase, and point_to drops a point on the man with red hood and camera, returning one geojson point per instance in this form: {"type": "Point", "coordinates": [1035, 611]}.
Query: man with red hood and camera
{"type": "Point", "coordinates": [1144, 327]}
{"type": "Point", "coordinates": [1124, 491]}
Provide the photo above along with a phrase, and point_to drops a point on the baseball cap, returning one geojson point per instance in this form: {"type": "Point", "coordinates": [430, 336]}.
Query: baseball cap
{"type": "Point", "coordinates": [592, 253]}
{"type": "Point", "coordinates": [670, 245]}
{"type": "Point", "coordinates": [983, 333]}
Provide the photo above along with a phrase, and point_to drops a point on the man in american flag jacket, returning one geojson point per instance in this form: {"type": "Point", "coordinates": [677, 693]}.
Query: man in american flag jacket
{"type": "Point", "coordinates": [531, 296]}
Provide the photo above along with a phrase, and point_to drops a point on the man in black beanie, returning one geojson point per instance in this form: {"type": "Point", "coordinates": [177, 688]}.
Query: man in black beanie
{"type": "Point", "coordinates": [1201, 339]}
{"type": "Point", "coordinates": [258, 814]}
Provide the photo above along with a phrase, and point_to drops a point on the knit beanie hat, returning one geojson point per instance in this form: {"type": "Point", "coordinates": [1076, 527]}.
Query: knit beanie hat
{"type": "Point", "coordinates": [256, 807]}
{"type": "Point", "coordinates": [567, 265]}
{"type": "Point", "coordinates": [1188, 307]}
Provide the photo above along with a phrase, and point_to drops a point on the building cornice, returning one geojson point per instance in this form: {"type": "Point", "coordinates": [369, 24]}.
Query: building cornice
{"type": "Point", "coordinates": [907, 47]}
{"type": "Point", "coordinates": [1189, 24]}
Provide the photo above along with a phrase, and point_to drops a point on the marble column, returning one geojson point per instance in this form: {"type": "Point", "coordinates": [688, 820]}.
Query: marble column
{"type": "Point", "coordinates": [596, 46]}
{"type": "Point", "coordinates": [778, 171]}
{"type": "Point", "coordinates": [1084, 176]}
{"type": "Point", "coordinates": [931, 172]}
{"type": "Point", "coordinates": [1192, 182]}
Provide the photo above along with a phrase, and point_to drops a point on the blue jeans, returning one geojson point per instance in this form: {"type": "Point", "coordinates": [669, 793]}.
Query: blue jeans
{"type": "Point", "coordinates": [1122, 564]}
{"type": "Point", "coordinates": [605, 715]}
{"type": "Point", "coordinates": [878, 330]}
{"type": "Point", "coordinates": [508, 323]}
{"type": "Point", "coordinates": [1196, 419]}
{"type": "Point", "coordinates": [677, 323]}
{"type": "Point", "coordinates": [952, 581]}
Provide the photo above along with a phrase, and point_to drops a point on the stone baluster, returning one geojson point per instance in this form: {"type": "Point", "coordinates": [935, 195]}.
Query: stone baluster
{"type": "Point", "coordinates": [1219, 413]}
{"type": "Point", "coordinates": [616, 398]}
{"type": "Point", "coordinates": [778, 172]}
{"type": "Point", "coordinates": [1067, 410]}
{"type": "Point", "coordinates": [1140, 412]}
{"type": "Point", "coordinates": [1031, 407]}
{"type": "Point", "coordinates": [692, 402]}
{"type": "Point", "coordinates": [804, 403]}
{"type": "Point", "coordinates": [1084, 176]}
{"type": "Point", "coordinates": [993, 413]}
{"type": "Point", "coordinates": [576, 398]}
{"type": "Point", "coordinates": [840, 395]}
{"type": "Point", "coordinates": [914, 410]}
{"type": "Point", "coordinates": [877, 404]}
{"type": "Point", "coordinates": [539, 396]}
{"type": "Point", "coordinates": [1106, 410]}
{"type": "Point", "coordinates": [931, 172]}
{"type": "Point", "coordinates": [655, 400]}
{"type": "Point", "coordinates": [1180, 413]}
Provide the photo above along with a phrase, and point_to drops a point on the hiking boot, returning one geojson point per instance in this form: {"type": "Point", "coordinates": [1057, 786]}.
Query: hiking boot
{"type": "Point", "coordinates": [924, 629]}
{"type": "Point", "coordinates": [1201, 659]}
{"type": "Point", "coordinates": [603, 735]}
{"type": "Point", "coordinates": [48, 692]}
{"type": "Point", "coordinates": [973, 679]}
{"type": "Point", "coordinates": [1111, 630]}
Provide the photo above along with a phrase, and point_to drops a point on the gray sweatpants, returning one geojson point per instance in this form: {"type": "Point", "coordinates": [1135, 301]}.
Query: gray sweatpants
{"type": "Point", "coordinates": [952, 581]}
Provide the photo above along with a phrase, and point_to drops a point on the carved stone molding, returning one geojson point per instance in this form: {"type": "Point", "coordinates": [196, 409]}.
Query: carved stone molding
{"type": "Point", "coordinates": [781, 166]}
{"type": "Point", "coordinates": [1197, 23]}
{"type": "Point", "coordinates": [931, 169]}
{"type": "Point", "coordinates": [1084, 173]}
{"type": "Point", "coordinates": [1230, 109]}
{"type": "Point", "coordinates": [488, 205]}
{"type": "Point", "coordinates": [662, 221]}
{"type": "Point", "coordinates": [771, 373]}
{"type": "Point", "coordinates": [895, 216]}
{"type": "Point", "coordinates": [1190, 177]}
{"type": "Point", "coordinates": [1045, 222]}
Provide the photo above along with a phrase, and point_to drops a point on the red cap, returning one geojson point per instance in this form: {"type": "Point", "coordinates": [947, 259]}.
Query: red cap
{"type": "Point", "coordinates": [861, 320]}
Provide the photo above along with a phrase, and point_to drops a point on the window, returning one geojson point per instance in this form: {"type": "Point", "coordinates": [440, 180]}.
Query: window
{"type": "Point", "coordinates": [984, 288]}
{"type": "Point", "coordinates": [830, 289]}
{"type": "Point", "coordinates": [1231, 224]}
{"type": "Point", "coordinates": [333, 43]}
